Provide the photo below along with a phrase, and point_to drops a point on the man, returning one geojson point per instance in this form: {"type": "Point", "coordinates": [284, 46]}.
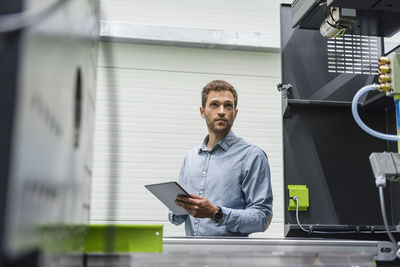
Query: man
{"type": "Point", "coordinates": [228, 179]}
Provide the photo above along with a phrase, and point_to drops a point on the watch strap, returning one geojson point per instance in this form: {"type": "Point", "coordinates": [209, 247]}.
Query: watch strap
{"type": "Point", "coordinates": [218, 215]}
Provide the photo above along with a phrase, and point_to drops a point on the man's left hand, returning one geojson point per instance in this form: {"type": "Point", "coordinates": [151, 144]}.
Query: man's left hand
{"type": "Point", "coordinates": [197, 206]}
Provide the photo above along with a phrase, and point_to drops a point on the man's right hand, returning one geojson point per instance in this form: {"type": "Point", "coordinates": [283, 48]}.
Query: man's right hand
{"type": "Point", "coordinates": [197, 206]}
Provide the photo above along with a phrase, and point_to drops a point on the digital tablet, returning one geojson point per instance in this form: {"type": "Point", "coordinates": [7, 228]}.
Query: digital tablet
{"type": "Point", "coordinates": [166, 193]}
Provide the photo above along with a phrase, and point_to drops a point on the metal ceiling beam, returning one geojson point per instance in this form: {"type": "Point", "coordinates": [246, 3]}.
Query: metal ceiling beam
{"type": "Point", "coordinates": [188, 37]}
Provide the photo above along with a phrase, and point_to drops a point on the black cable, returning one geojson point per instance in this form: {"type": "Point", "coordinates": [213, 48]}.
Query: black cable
{"type": "Point", "coordinates": [334, 26]}
{"type": "Point", "coordinates": [21, 20]}
{"type": "Point", "coordinates": [316, 232]}
{"type": "Point", "coordinates": [338, 25]}
{"type": "Point", "coordinates": [297, 215]}
{"type": "Point", "coordinates": [383, 210]}
{"type": "Point", "coordinates": [326, 9]}
{"type": "Point", "coordinates": [326, 232]}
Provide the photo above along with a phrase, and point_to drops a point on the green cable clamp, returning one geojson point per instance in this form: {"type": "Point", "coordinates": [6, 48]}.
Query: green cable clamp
{"type": "Point", "coordinates": [301, 191]}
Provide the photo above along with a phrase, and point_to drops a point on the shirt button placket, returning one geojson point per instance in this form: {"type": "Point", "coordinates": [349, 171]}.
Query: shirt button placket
{"type": "Point", "coordinates": [201, 190]}
{"type": "Point", "coordinates": [204, 172]}
{"type": "Point", "coordinates": [196, 227]}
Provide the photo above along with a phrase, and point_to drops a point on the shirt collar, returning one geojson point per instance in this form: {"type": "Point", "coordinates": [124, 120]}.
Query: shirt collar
{"type": "Point", "coordinates": [225, 143]}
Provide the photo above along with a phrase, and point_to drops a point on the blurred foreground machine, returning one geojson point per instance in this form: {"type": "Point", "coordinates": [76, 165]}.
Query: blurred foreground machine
{"type": "Point", "coordinates": [330, 49]}
{"type": "Point", "coordinates": [48, 58]}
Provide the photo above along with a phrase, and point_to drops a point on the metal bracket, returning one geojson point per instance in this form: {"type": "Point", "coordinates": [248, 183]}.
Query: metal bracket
{"type": "Point", "coordinates": [286, 90]}
{"type": "Point", "coordinates": [386, 251]}
{"type": "Point", "coordinates": [386, 166]}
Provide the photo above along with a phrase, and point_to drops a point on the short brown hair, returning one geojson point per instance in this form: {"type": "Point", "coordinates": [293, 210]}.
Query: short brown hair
{"type": "Point", "coordinates": [217, 85]}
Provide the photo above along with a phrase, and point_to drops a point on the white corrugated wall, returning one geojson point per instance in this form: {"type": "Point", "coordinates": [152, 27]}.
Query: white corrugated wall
{"type": "Point", "coordinates": [229, 15]}
{"type": "Point", "coordinates": [155, 95]}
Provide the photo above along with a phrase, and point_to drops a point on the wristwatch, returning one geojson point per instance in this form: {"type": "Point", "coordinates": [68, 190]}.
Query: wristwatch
{"type": "Point", "coordinates": [218, 215]}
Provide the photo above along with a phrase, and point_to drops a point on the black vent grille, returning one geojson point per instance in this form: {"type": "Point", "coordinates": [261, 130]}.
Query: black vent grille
{"type": "Point", "coordinates": [353, 54]}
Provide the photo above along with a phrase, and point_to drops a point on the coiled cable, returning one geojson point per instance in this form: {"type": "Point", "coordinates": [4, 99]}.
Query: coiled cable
{"type": "Point", "coordinates": [360, 123]}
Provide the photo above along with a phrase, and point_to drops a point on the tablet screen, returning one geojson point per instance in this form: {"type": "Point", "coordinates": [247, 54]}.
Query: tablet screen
{"type": "Point", "coordinates": [166, 193]}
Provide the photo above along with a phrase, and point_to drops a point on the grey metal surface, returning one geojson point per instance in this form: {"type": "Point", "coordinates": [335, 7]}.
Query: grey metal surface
{"type": "Point", "coordinates": [251, 252]}
{"type": "Point", "coordinates": [385, 166]}
{"type": "Point", "coordinates": [253, 245]}
{"type": "Point", "coordinates": [300, 9]}
{"type": "Point", "coordinates": [381, 5]}
{"type": "Point", "coordinates": [187, 37]}
{"type": "Point", "coordinates": [229, 260]}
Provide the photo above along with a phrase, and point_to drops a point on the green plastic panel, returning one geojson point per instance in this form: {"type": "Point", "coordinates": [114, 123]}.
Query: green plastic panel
{"type": "Point", "coordinates": [301, 191]}
{"type": "Point", "coordinates": [62, 237]}
{"type": "Point", "coordinates": [125, 238]}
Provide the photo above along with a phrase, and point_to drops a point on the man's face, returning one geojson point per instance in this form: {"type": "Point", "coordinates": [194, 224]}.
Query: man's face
{"type": "Point", "coordinates": [219, 112]}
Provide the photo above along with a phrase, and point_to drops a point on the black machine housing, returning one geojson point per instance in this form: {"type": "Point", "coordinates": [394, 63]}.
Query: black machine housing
{"type": "Point", "coordinates": [323, 146]}
{"type": "Point", "coordinates": [374, 17]}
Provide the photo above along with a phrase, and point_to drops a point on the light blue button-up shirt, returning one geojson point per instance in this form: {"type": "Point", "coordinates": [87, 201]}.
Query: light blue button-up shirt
{"type": "Point", "coordinates": [234, 175]}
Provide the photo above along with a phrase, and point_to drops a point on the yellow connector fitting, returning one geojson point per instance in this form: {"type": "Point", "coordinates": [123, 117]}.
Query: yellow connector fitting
{"type": "Point", "coordinates": [384, 78]}
{"type": "Point", "coordinates": [389, 77]}
{"type": "Point", "coordinates": [385, 87]}
{"type": "Point", "coordinates": [384, 60]}
{"type": "Point", "coordinates": [384, 69]}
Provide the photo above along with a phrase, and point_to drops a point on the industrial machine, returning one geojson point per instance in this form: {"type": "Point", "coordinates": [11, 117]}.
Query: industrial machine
{"type": "Point", "coordinates": [48, 63]}
{"type": "Point", "coordinates": [331, 49]}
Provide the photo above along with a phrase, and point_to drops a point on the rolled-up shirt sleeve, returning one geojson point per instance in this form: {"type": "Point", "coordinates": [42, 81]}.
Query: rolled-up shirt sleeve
{"type": "Point", "coordinates": [256, 188]}
{"type": "Point", "coordinates": [176, 219]}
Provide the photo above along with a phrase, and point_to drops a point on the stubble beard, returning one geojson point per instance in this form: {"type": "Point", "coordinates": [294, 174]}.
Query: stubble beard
{"type": "Point", "coordinates": [220, 131]}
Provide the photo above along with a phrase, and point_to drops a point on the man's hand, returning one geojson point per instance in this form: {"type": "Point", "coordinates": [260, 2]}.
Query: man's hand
{"type": "Point", "coordinates": [198, 207]}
